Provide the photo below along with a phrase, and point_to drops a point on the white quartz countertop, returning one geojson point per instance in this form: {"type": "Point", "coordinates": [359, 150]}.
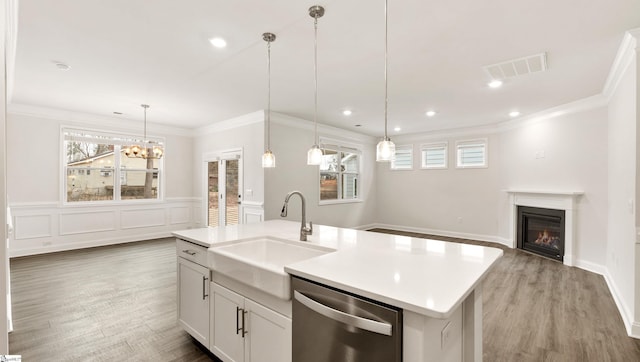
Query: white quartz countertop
{"type": "Point", "coordinates": [429, 277]}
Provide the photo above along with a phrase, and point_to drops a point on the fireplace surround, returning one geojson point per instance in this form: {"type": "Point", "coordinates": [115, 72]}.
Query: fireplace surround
{"type": "Point", "coordinates": [557, 200]}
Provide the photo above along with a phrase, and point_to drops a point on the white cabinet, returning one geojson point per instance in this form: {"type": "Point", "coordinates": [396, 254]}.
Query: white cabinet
{"type": "Point", "coordinates": [193, 291]}
{"type": "Point", "coordinates": [243, 330]}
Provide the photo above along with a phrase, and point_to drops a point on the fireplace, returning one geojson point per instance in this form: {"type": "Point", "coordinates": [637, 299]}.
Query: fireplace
{"type": "Point", "coordinates": [541, 231]}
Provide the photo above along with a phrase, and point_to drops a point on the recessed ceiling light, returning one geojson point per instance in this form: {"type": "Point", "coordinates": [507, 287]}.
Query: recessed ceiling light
{"type": "Point", "coordinates": [514, 114]}
{"type": "Point", "coordinates": [430, 113]}
{"type": "Point", "coordinates": [117, 113]}
{"type": "Point", "coordinates": [347, 112]}
{"type": "Point", "coordinates": [358, 125]}
{"type": "Point", "coordinates": [62, 66]}
{"type": "Point", "coordinates": [495, 83]}
{"type": "Point", "coordinates": [397, 129]}
{"type": "Point", "coordinates": [218, 42]}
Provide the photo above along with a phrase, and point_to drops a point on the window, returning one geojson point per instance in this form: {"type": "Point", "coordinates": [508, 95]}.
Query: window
{"type": "Point", "coordinates": [403, 159]}
{"type": "Point", "coordinates": [97, 170]}
{"type": "Point", "coordinates": [434, 155]}
{"type": "Point", "coordinates": [339, 174]}
{"type": "Point", "coordinates": [472, 154]}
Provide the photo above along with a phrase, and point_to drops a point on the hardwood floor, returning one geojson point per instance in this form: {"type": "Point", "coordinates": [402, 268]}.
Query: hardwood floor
{"type": "Point", "coordinates": [536, 309]}
{"type": "Point", "coordinates": [118, 303]}
{"type": "Point", "coordinates": [115, 303]}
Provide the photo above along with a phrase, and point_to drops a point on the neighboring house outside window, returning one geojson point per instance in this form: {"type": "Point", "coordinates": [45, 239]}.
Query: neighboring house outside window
{"type": "Point", "coordinates": [97, 170]}
{"type": "Point", "coordinates": [340, 173]}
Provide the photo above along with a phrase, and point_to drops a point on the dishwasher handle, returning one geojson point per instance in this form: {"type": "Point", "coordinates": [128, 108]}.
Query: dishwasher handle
{"type": "Point", "coordinates": [339, 316]}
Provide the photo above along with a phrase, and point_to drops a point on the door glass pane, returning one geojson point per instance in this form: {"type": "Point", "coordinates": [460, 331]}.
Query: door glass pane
{"type": "Point", "coordinates": [231, 192]}
{"type": "Point", "coordinates": [213, 208]}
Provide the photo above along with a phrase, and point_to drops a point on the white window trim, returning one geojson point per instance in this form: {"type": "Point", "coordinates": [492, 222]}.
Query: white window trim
{"type": "Point", "coordinates": [116, 171]}
{"type": "Point", "coordinates": [392, 164]}
{"type": "Point", "coordinates": [483, 141]}
{"type": "Point", "coordinates": [426, 146]}
{"type": "Point", "coordinates": [341, 146]}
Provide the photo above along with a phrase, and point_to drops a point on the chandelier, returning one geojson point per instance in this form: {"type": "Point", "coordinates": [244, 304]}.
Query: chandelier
{"type": "Point", "coordinates": [148, 149]}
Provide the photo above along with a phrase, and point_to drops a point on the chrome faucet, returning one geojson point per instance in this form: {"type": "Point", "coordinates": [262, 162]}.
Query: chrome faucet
{"type": "Point", "coordinates": [304, 230]}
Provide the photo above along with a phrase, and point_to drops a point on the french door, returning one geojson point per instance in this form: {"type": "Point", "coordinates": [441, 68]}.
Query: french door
{"type": "Point", "coordinates": [224, 182]}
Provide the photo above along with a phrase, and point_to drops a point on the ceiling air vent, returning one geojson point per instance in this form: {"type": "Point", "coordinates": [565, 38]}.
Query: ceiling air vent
{"type": "Point", "coordinates": [517, 67]}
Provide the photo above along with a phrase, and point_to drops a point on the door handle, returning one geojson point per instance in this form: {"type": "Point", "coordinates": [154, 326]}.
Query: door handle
{"type": "Point", "coordinates": [342, 317]}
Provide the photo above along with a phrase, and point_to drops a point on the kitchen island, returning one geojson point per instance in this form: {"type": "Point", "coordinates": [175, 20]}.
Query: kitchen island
{"type": "Point", "coordinates": [437, 284]}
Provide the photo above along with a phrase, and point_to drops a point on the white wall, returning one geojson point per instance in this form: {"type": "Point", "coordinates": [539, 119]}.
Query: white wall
{"type": "Point", "coordinates": [452, 201]}
{"type": "Point", "coordinates": [567, 152]}
{"type": "Point", "coordinates": [622, 164]}
{"type": "Point", "coordinates": [43, 224]}
{"type": "Point", "coordinates": [290, 141]}
{"type": "Point", "coordinates": [472, 202]}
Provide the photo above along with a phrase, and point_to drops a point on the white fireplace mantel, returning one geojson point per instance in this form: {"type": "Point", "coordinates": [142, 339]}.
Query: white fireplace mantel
{"type": "Point", "coordinates": [559, 200]}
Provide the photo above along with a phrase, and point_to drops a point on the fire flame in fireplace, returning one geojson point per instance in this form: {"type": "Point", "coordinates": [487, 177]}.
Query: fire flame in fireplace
{"type": "Point", "coordinates": [545, 238]}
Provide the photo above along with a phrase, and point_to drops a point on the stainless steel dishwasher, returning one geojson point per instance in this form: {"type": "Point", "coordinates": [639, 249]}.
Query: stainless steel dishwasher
{"type": "Point", "coordinates": [330, 325]}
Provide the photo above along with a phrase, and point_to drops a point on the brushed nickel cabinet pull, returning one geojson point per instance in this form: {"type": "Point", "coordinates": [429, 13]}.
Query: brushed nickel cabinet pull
{"type": "Point", "coordinates": [190, 252]}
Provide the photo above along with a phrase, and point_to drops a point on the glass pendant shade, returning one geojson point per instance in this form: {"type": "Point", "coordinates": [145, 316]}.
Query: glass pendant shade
{"type": "Point", "coordinates": [314, 155]}
{"type": "Point", "coordinates": [268, 159]}
{"type": "Point", "coordinates": [386, 150]}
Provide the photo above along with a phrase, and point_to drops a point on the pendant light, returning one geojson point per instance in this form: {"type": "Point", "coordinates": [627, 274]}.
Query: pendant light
{"type": "Point", "coordinates": [314, 155]}
{"type": "Point", "coordinates": [268, 158]}
{"type": "Point", "coordinates": [386, 149]}
{"type": "Point", "coordinates": [148, 149]}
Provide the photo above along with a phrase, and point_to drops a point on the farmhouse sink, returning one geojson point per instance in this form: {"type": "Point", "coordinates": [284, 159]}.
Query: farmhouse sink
{"type": "Point", "coordinates": [259, 262]}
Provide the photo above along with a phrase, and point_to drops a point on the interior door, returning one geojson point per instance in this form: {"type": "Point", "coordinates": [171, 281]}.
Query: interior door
{"type": "Point", "coordinates": [224, 183]}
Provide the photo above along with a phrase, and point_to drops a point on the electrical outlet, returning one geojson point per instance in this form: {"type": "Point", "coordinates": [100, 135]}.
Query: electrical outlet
{"type": "Point", "coordinates": [445, 335]}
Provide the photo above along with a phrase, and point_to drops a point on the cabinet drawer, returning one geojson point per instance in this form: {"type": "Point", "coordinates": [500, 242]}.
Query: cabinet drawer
{"type": "Point", "coordinates": [191, 251]}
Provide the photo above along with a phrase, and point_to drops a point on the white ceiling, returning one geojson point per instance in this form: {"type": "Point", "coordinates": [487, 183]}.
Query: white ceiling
{"type": "Point", "coordinates": [126, 52]}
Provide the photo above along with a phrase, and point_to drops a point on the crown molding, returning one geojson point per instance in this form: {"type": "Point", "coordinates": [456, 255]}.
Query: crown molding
{"type": "Point", "coordinates": [581, 105]}
{"type": "Point", "coordinates": [626, 53]}
{"type": "Point", "coordinates": [236, 122]}
{"type": "Point", "coordinates": [323, 129]}
{"type": "Point", "coordinates": [72, 118]}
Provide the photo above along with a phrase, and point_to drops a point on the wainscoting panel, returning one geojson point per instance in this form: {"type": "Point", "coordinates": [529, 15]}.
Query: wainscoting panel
{"type": "Point", "coordinates": [142, 218]}
{"type": "Point", "coordinates": [180, 215]}
{"type": "Point", "coordinates": [49, 227]}
{"type": "Point", "coordinates": [87, 222]}
{"type": "Point", "coordinates": [32, 226]}
{"type": "Point", "coordinates": [252, 212]}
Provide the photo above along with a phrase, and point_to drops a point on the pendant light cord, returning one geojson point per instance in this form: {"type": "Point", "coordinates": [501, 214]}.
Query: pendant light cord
{"type": "Point", "coordinates": [269, 96]}
{"type": "Point", "coordinates": [386, 26]}
{"type": "Point", "coordinates": [315, 69]}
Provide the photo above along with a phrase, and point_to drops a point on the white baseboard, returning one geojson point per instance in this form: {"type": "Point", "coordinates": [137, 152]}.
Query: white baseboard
{"type": "Point", "coordinates": [632, 327]}
{"type": "Point", "coordinates": [88, 244]}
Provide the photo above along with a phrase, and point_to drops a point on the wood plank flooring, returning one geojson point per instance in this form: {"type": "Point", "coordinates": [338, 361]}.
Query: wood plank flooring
{"type": "Point", "coordinates": [118, 303]}
{"type": "Point", "coordinates": [115, 303]}
{"type": "Point", "coordinates": [537, 309]}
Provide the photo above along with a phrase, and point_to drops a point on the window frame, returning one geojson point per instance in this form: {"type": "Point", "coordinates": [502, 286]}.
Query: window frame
{"type": "Point", "coordinates": [435, 145]}
{"type": "Point", "coordinates": [340, 146]}
{"type": "Point", "coordinates": [484, 142]}
{"type": "Point", "coordinates": [392, 164]}
{"type": "Point", "coordinates": [118, 140]}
